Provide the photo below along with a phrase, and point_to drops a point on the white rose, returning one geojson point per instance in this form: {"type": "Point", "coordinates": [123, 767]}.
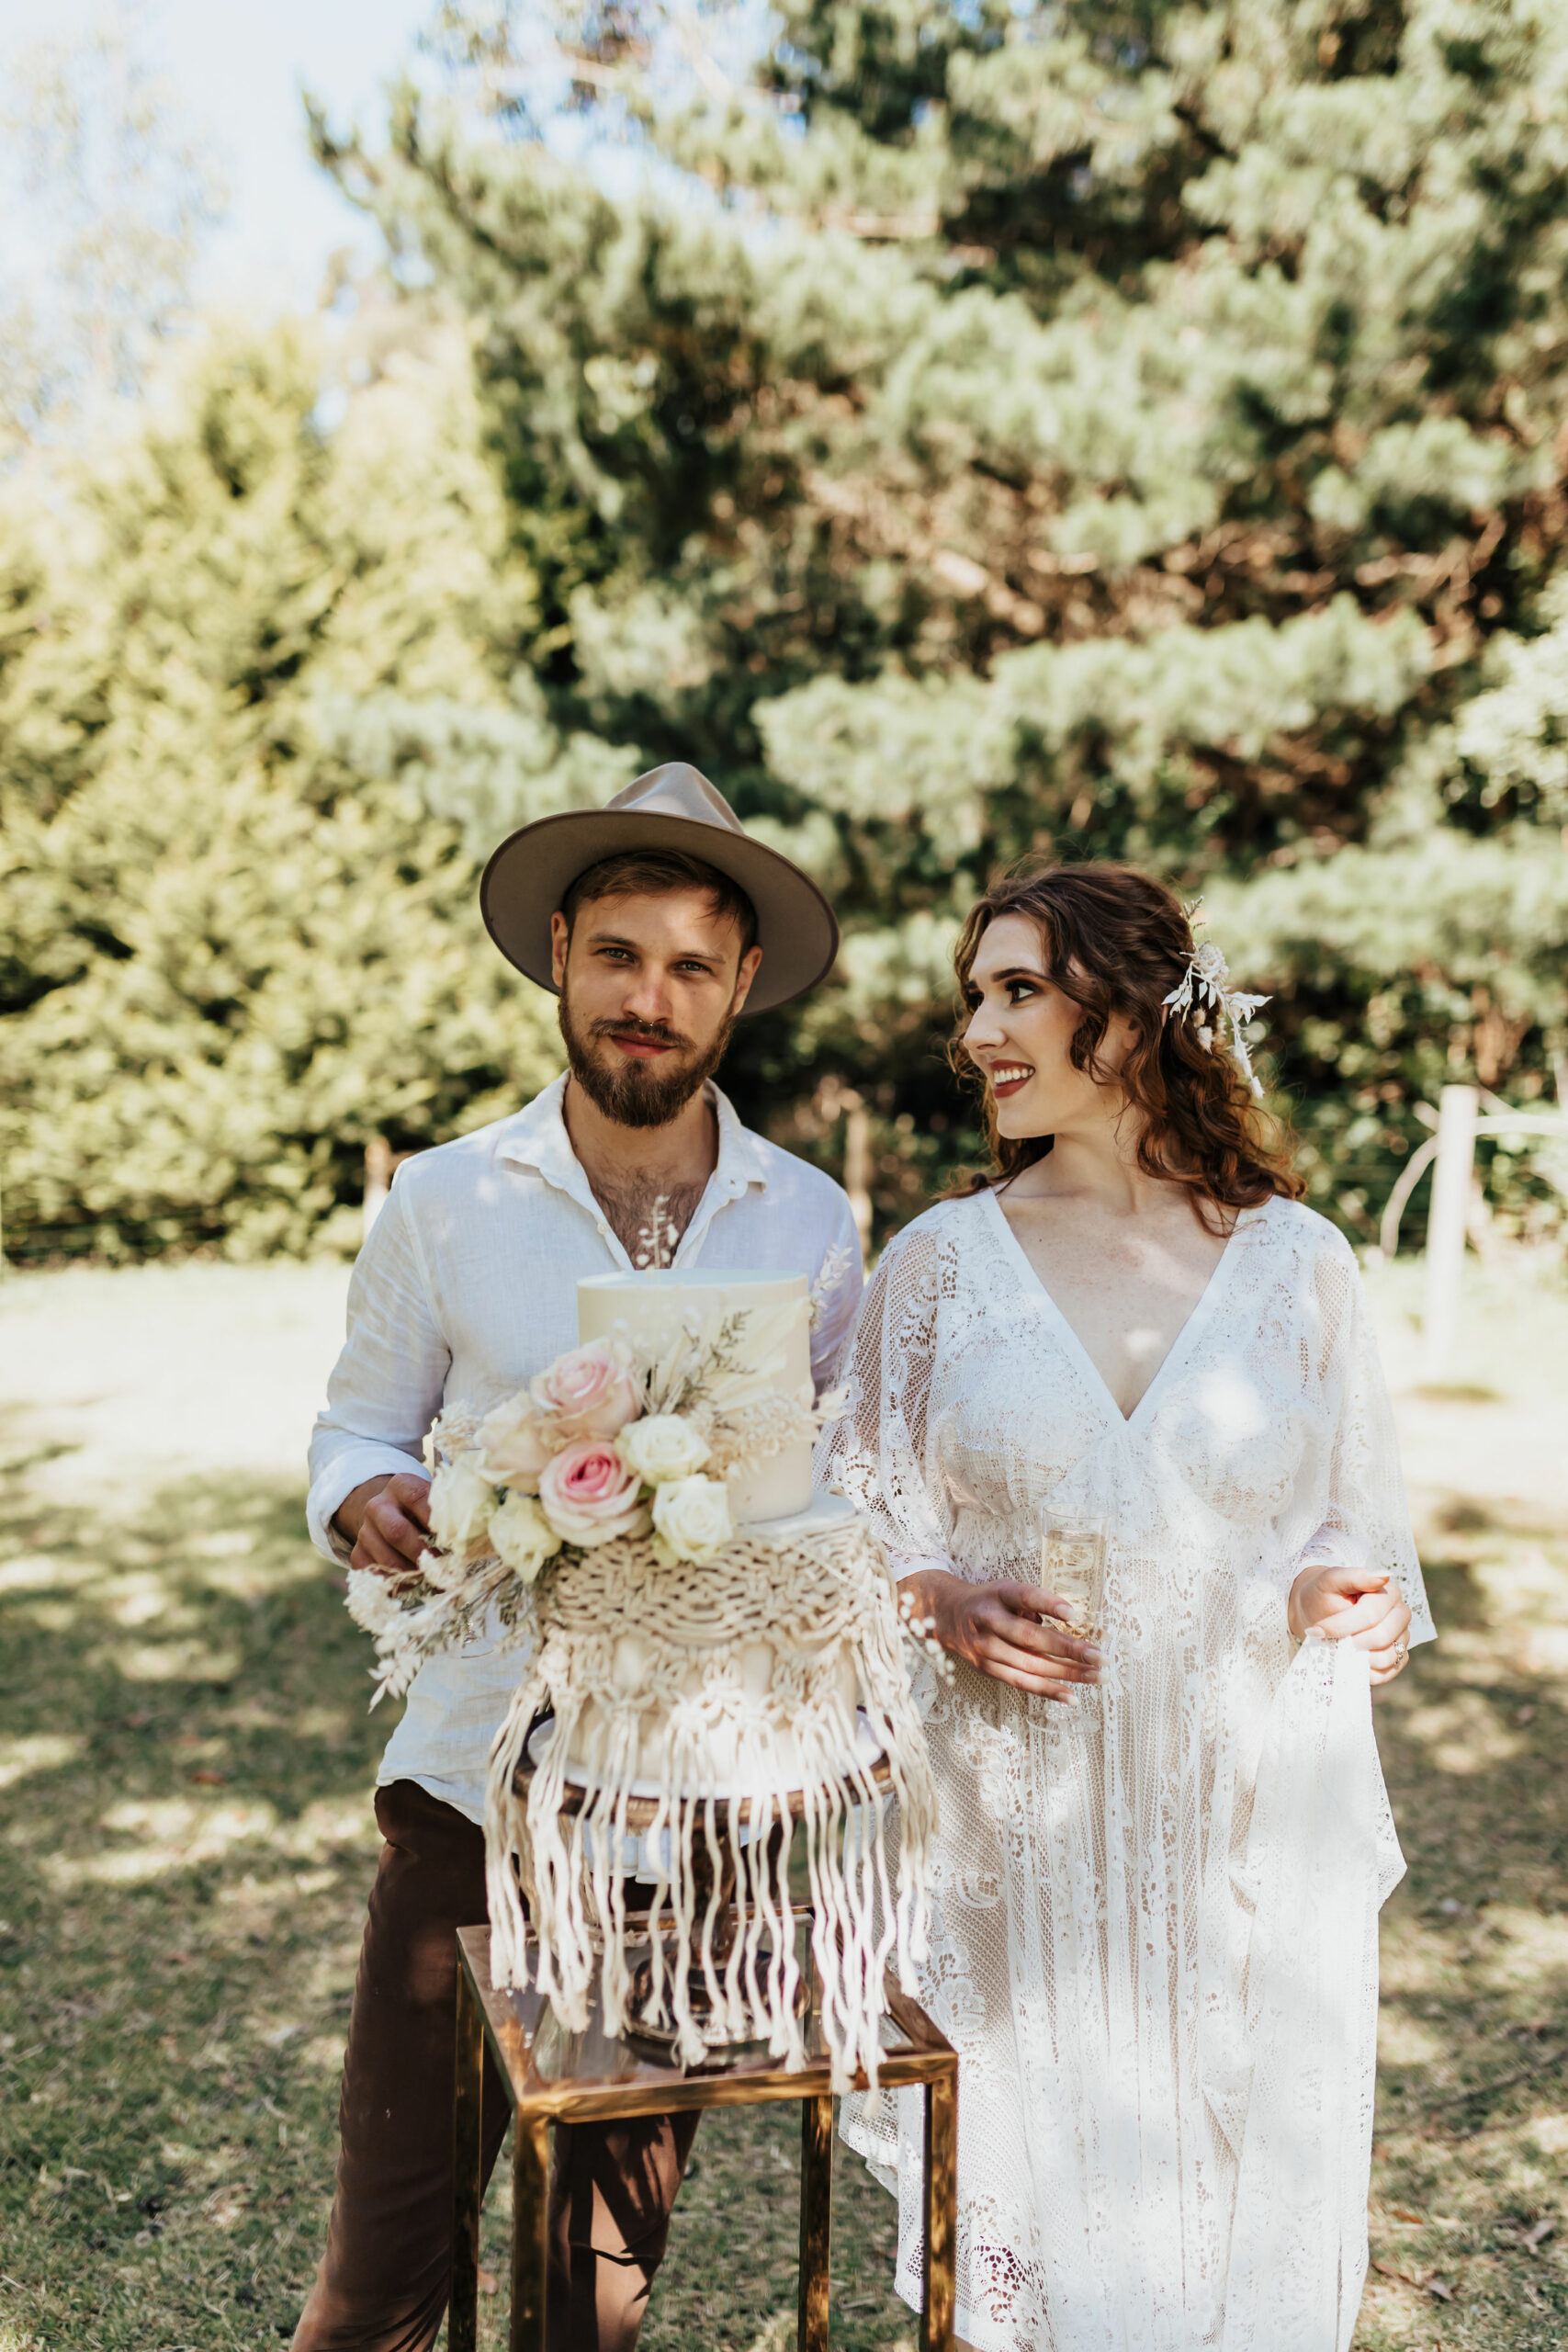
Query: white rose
{"type": "Point", "coordinates": [516, 1442]}
{"type": "Point", "coordinates": [691, 1520]}
{"type": "Point", "coordinates": [523, 1536]}
{"type": "Point", "coordinates": [460, 1504]}
{"type": "Point", "coordinates": [662, 1447]}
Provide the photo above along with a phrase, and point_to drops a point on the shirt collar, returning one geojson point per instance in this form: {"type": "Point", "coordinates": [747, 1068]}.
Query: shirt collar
{"type": "Point", "coordinates": [535, 1137]}
{"type": "Point", "coordinates": [741, 1158]}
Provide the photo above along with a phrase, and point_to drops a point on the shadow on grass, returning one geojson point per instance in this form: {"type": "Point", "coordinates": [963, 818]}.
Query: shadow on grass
{"type": "Point", "coordinates": [187, 1841]}
{"type": "Point", "coordinates": [185, 1844]}
{"type": "Point", "coordinates": [1466, 2225]}
{"type": "Point", "coordinates": [185, 1779]}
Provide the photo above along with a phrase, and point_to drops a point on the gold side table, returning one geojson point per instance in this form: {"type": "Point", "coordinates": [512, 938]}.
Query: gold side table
{"type": "Point", "coordinates": [550, 2076]}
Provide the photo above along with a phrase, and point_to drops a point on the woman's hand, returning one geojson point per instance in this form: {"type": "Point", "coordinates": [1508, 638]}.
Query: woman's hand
{"type": "Point", "coordinates": [1008, 1631]}
{"type": "Point", "coordinates": [1359, 1605]}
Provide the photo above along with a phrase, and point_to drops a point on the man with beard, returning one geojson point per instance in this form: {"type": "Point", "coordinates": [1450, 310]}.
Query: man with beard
{"type": "Point", "coordinates": [658, 922]}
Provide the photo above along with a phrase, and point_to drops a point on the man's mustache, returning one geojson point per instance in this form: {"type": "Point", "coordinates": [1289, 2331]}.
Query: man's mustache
{"type": "Point", "coordinates": [655, 1032]}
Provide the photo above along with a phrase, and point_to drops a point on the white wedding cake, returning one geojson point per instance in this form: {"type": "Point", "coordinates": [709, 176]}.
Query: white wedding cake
{"type": "Point", "coordinates": [703, 1642]}
{"type": "Point", "coordinates": [651, 1311]}
{"type": "Point", "coordinates": [716, 1665]}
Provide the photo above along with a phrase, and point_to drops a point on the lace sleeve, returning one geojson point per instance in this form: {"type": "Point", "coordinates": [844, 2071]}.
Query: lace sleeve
{"type": "Point", "coordinates": [1368, 1522]}
{"type": "Point", "coordinates": [878, 1453]}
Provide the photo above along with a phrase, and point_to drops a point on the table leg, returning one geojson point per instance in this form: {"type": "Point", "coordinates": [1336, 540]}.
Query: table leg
{"type": "Point", "coordinates": [463, 2320]}
{"type": "Point", "coordinates": [816, 2221]}
{"type": "Point", "coordinates": [530, 2228]}
{"type": "Point", "coordinates": [941, 2212]}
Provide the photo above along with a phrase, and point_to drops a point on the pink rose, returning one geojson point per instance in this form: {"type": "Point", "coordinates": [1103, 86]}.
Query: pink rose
{"type": "Point", "coordinates": [590, 1497]}
{"type": "Point", "coordinates": [590, 1391]}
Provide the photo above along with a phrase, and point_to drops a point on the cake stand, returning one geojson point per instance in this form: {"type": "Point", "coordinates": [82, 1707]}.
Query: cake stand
{"type": "Point", "coordinates": [592, 2077]}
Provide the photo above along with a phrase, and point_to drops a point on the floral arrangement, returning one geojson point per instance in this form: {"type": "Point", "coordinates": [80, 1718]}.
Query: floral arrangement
{"type": "Point", "coordinates": [606, 1442]}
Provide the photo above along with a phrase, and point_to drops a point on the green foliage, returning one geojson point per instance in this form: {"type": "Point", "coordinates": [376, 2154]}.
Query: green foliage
{"type": "Point", "coordinates": [1117, 433]}
{"type": "Point", "coordinates": [232, 956]}
{"type": "Point", "coordinates": [1124, 433]}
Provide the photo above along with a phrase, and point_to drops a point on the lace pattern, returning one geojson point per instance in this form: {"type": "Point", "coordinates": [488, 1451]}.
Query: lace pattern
{"type": "Point", "coordinates": [1147, 1907]}
{"type": "Point", "coordinates": [683, 1682]}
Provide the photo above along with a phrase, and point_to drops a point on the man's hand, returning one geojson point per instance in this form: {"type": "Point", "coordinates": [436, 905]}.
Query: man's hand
{"type": "Point", "coordinates": [1008, 1631]}
{"type": "Point", "coordinates": [1362, 1605]}
{"type": "Point", "coordinates": [387, 1522]}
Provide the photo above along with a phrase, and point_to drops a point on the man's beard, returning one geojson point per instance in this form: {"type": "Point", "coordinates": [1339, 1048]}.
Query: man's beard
{"type": "Point", "coordinates": [633, 1093]}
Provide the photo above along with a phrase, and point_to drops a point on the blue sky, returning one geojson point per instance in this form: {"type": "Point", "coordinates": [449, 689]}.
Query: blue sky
{"type": "Point", "coordinates": [235, 68]}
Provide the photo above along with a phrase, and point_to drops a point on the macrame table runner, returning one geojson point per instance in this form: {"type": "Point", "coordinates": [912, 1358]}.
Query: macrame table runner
{"type": "Point", "coordinates": [763, 1659]}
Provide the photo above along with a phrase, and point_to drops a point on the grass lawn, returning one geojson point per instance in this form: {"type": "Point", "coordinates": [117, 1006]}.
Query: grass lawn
{"type": "Point", "coordinates": [185, 1842]}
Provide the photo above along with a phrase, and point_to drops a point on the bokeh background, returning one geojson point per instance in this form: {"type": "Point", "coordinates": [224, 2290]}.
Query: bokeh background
{"type": "Point", "coordinates": [964, 427]}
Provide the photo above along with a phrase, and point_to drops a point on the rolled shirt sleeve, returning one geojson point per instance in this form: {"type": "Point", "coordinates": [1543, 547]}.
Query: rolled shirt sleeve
{"type": "Point", "coordinates": [387, 1384]}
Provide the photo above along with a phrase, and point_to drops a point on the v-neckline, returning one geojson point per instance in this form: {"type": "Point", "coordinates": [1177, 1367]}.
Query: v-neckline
{"type": "Point", "coordinates": [1179, 1348]}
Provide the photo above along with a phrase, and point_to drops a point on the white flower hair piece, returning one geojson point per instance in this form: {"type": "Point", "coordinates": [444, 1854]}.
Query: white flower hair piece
{"type": "Point", "coordinates": [1205, 987]}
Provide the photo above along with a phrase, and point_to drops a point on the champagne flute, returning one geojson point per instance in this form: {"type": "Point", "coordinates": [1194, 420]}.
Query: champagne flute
{"type": "Point", "coordinates": [1072, 1566]}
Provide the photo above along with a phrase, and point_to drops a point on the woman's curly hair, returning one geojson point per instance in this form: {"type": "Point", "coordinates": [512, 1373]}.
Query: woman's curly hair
{"type": "Point", "coordinates": [1118, 942]}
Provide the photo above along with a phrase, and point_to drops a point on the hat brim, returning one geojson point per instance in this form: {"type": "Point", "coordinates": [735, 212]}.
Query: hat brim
{"type": "Point", "coordinates": [530, 874]}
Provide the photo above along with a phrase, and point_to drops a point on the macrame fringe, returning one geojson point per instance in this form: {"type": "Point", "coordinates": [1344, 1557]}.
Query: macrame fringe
{"type": "Point", "coordinates": [569, 1863]}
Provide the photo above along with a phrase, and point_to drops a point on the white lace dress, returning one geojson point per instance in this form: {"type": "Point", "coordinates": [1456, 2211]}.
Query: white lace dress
{"type": "Point", "coordinates": [1154, 1930]}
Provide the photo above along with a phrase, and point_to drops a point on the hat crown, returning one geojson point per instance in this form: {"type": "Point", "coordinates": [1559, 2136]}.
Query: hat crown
{"type": "Point", "coordinates": [669, 807]}
{"type": "Point", "coordinates": [677, 789]}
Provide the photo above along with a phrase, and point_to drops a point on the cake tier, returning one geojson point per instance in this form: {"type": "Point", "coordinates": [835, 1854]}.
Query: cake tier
{"type": "Point", "coordinates": [823, 1515]}
{"type": "Point", "coordinates": [653, 1308]}
{"type": "Point", "coordinates": [744, 1674]}
{"type": "Point", "coordinates": [751, 1763]}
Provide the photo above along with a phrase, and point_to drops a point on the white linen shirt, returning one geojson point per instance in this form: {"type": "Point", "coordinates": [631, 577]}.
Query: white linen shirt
{"type": "Point", "coordinates": [467, 1286]}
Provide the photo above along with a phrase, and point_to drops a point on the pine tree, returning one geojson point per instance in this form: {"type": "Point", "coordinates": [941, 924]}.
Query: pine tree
{"type": "Point", "coordinates": [231, 957]}
{"type": "Point", "coordinates": [1113, 432]}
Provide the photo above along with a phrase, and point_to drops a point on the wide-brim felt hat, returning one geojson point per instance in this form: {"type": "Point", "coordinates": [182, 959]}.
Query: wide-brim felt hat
{"type": "Point", "coordinates": [672, 807]}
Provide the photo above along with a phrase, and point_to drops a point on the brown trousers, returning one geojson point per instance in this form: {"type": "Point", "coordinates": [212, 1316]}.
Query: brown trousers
{"type": "Point", "coordinates": [385, 2277]}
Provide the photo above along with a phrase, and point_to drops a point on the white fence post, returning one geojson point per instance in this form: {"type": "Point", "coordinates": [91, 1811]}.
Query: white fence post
{"type": "Point", "coordinates": [1446, 1225]}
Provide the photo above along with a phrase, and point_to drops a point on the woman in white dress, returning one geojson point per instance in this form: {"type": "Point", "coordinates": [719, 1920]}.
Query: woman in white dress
{"type": "Point", "coordinates": [1159, 1864]}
